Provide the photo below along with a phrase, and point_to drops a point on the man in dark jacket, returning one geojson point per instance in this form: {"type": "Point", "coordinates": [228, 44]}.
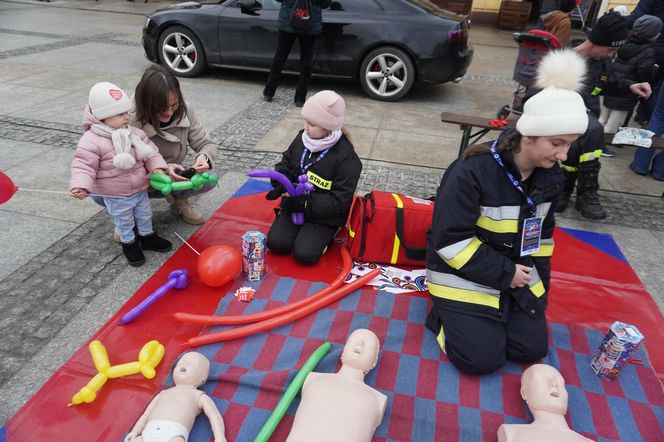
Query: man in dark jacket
{"type": "Point", "coordinates": [635, 62]}
{"type": "Point", "coordinates": [656, 8]}
{"type": "Point", "coordinates": [608, 34]}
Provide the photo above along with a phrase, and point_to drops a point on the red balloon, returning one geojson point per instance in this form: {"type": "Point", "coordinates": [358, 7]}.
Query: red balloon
{"type": "Point", "coordinates": [7, 188]}
{"type": "Point", "coordinates": [218, 265]}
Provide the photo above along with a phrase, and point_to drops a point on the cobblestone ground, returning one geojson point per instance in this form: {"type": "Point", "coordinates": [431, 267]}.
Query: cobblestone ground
{"type": "Point", "coordinates": [39, 298]}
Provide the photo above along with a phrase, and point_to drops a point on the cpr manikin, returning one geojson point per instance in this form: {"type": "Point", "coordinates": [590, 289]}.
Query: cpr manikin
{"type": "Point", "coordinates": [170, 415]}
{"type": "Point", "coordinates": [340, 406]}
{"type": "Point", "coordinates": [543, 389]}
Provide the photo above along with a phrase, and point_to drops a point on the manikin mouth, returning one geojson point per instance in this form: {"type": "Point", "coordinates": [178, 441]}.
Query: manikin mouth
{"type": "Point", "coordinates": [183, 369]}
{"type": "Point", "coordinates": [555, 394]}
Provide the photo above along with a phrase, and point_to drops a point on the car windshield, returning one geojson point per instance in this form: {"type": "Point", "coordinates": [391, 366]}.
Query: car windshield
{"type": "Point", "coordinates": [431, 8]}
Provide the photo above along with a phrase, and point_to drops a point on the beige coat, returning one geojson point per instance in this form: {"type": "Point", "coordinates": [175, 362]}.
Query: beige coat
{"type": "Point", "coordinates": [176, 138]}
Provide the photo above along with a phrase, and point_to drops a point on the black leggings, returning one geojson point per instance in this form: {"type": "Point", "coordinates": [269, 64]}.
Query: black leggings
{"type": "Point", "coordinates": [284, 46]}
{"type": "Point", "coordinates": [306, 242]}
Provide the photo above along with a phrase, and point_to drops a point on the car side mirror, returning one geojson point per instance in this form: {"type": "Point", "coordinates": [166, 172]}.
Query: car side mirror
{"type": "Point", "coordinates": [249, 6]}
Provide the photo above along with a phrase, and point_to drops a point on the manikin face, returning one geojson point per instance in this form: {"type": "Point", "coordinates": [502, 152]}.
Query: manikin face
{"type": "Point", "coordinates": [545, 152]}
{"type": "Point", "coordinates": [191, 369]}
{"type": "Point", "coordinates": [117, 121]}
{"type": "Point", "coordinates": [543, 389]}
{"type": "Point", "coordinates": [165, 115]}
{"type": "Point", "coordinates": [315, 132]}
{"type": "Point", "coordinates": [361, 350]}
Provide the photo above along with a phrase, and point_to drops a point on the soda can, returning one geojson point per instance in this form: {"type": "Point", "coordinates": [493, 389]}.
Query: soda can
{"type": "Point", "coordinates": [616, 350]}
{"type": "Point", "coordinates": [253, 255]}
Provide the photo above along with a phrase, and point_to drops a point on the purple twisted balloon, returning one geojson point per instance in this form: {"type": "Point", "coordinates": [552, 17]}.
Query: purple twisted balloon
{"type": "Point", "coordinates": [302, 187]}
{"type": "Point", "coordinates": [177, 279]}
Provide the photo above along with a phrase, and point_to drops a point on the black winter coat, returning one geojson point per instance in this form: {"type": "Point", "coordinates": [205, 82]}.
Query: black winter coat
{"type": "Point", "coordinates": [315, 7]}
{"type": "Point", "coordinates": [635, 62]}
{"type": "Point", "coordinates": [656, 8]}
{"type": "Point", "coordinates": [334, 177]}
{"type": "Point", "coordinates": [475, 237]}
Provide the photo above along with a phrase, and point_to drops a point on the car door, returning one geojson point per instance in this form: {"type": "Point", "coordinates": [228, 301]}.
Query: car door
{"type": "Point", "coordinates": [248, 38]}
{"type": "Point", "coordinates": [349, 27]}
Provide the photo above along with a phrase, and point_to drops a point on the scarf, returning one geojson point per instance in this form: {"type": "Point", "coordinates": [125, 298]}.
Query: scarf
{"type": "Point", "coordinates": [123, 139]}
{"type": "Point", "coordinates": [321, 144]}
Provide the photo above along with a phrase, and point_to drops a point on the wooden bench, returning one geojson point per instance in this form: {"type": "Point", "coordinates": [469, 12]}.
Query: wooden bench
{"type": "Point", "coordinates": [469, 123]}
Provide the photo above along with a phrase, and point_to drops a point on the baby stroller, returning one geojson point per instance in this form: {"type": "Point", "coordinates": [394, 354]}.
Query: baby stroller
{"type": "Point", "coordinates": [533, 45]}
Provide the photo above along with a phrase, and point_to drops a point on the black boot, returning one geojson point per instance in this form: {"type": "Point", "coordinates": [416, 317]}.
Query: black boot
{"type": "Point", "coordinates": [587, 199]}
{"type": "Point", "coordinates": [132, 251]}
{"type": "Point", "coordinates": [300, 97]}
{"type": "Point", "coordinates": [155, 243]}
{"type": "Point", "coordinates": [568, 189]}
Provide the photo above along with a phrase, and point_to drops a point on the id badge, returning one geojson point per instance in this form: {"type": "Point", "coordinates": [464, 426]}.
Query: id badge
{"type": "Point", "coordinates": [531, 236]}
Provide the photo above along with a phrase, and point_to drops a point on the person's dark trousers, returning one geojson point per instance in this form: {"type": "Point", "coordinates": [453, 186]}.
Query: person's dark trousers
{"type": "Point", "coordinates": [643, 156]}
{"type": "Point", "coordinates": [307, 242]}
{"type": "Point", "coordinates": [583, 158]}
{"type": "Point", "coordinates": [284, 46]}
{"type": "Point", "coordinates": [480, 345]}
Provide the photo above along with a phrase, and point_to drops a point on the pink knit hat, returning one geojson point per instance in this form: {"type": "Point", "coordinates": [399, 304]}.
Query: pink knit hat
{"type": "Point", "coordinates": [325, 109]}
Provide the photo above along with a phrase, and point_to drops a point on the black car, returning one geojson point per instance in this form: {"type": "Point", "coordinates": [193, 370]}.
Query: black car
{"type": "Point", "coordinates": [385, 44]}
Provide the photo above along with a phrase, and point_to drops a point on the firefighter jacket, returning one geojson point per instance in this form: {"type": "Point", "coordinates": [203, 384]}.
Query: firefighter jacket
{"type": "Point", "coordinates": [475, 237]}
{"type": "Point", "coordinates": [334, 177]}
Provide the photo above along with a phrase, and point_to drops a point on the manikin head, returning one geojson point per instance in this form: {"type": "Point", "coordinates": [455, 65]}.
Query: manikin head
{"type": "Point", "coordinates": [543, 389]}
{"type": "Point", "coordinates": [361, 350]}
{"type": "Point", "coordinates": [192, 369]}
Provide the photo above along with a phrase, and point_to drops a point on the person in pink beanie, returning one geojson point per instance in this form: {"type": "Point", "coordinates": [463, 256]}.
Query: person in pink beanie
{"type": "Point", "coordinates": [115, 160]}
{"type": "Point", "coordinates": [324, 152]}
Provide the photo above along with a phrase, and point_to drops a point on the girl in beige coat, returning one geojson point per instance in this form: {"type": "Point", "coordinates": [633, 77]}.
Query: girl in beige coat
{"type": "Point", "coordinates": [161, 112]}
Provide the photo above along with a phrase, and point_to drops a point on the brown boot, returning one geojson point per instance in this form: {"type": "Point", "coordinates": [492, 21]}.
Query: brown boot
{"type": "Point", "coordinates": [182, 206]}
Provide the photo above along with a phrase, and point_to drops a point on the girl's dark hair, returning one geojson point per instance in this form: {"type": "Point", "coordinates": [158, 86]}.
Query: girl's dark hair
{"type": "Point", "coordinates": [512, 143]}
{"type": "Point", "coordinates": [151, 97]}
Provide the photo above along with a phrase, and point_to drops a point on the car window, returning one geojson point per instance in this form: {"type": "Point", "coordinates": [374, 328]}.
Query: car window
{"type": "Point", "coordinates": [269, 4]}
{"type": "Point", "coordinates": [355, 6]}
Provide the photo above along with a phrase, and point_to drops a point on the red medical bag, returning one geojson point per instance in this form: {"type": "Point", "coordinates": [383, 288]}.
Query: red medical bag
{"type": "Point", "coordinates": [389, 228]}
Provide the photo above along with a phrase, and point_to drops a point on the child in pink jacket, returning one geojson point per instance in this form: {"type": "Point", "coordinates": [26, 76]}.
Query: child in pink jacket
{"type": "Point", "coordinates": [115, 161]}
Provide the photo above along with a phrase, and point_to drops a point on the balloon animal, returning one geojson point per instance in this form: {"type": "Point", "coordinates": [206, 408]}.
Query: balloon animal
{"type": "Point", "coordinates": [148, 358]}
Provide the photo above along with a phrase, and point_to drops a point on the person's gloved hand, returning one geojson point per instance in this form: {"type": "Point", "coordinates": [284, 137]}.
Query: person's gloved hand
{"type": "Point", "coordinates": [294, 204]}
{"type": "Point", "coordinates": [276, 192]}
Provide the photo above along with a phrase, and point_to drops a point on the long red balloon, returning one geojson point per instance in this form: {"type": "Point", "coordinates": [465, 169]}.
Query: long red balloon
{"type": "Point", "coordinates": [269, 324]}
{"type": "Point", "coordinates": [347, 265]}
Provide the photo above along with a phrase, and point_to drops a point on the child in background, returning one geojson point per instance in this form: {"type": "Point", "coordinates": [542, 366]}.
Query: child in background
{"type": "Point", "coordinates": [325, 153]}
{"type": "Point", "coordinates": [635, 62]}
{"type": "Point", "coordinates": [114, 159]}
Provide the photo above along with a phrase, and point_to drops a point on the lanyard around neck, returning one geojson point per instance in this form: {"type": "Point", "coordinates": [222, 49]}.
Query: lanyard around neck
{"type": "Point", "coordinates": [303, 168]}
{"type": "Point", "coordinates": [515, 182]}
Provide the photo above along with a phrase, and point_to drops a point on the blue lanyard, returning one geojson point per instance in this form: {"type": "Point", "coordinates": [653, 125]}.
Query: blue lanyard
{"type": "Point", "coordinates": [513, 180]}
{"type": "Point", "coordinates": [303, 168]}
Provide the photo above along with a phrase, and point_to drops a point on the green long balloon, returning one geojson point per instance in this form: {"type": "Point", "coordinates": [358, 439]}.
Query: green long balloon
{"type": "Point", "coordinates": [290, 393]}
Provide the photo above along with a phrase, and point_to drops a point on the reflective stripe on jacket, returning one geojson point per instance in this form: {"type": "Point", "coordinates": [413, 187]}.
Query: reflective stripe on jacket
{"type": "Point", "coordinates": [475, 238]}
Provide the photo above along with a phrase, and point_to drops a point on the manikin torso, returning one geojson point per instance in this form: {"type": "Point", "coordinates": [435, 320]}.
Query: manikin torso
{"type": "Point", "coordinates": [539, 433]}
{"type": "Point", "coordinates": [337, 408]}
{"type": "Point", "coordinates": [340, 406]}
{"type": "Point", "coordinates": [187, 399]}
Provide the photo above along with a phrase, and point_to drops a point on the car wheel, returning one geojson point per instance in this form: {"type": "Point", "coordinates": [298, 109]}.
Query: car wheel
{"type": "Point", "coordinates": [181, 52]}
{"type": "Point", "coordinates": [387, 74]}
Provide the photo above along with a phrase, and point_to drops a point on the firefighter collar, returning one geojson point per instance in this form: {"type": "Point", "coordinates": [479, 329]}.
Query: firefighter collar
{"type": "Point", "coordinates": [515, 182]}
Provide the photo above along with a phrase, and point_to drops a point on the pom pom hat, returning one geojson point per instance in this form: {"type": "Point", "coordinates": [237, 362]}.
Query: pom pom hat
{"type": "Point", "coordinates": [106, 100]}
{"type": "Point", "coordinates": [325, 109]}
{"type": "Point", "coordinates": [557, 109]}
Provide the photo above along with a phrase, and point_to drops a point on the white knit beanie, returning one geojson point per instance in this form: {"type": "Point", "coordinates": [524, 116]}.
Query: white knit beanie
{"type": "Point", "coordinates": [325, 109]}
{"type": "Point", "coordinates": [557, 109]}
{"type": "Point", "coordinates": [106, 100]}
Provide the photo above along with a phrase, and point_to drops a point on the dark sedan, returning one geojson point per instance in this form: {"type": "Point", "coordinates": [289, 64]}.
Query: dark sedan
{"type": "Point", "coordinates": [385, 44]}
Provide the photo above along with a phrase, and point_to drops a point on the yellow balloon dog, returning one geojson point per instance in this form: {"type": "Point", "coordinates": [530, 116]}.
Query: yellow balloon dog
{"type": "Point", "coordinates": [148, 358]}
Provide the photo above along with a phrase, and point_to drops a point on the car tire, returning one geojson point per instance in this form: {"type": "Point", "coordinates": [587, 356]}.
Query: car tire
{"type": "Point", "coordinates": [181, 52]}
{"type": "Point", "coordinates": [387, 73]}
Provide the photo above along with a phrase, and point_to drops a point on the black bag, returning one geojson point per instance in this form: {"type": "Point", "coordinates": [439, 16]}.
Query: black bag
{"type": "Point", "coordinates": [300, 16]}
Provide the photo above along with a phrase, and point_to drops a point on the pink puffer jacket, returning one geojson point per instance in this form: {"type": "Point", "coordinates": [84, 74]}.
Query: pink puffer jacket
{"type": "Point", "coordinates": [92, 168]}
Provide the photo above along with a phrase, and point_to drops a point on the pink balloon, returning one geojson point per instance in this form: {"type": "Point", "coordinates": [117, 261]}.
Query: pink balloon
{"type": "Point", "coordinates": [7, 188]}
